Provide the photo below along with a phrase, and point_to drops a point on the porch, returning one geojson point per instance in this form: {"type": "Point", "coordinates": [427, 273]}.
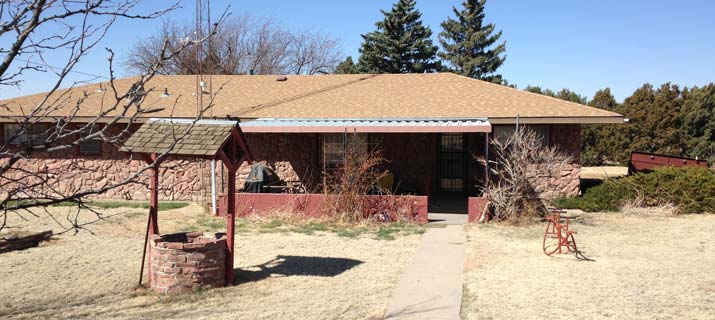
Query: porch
{"type": "Point", "coordinates": [436, 163]}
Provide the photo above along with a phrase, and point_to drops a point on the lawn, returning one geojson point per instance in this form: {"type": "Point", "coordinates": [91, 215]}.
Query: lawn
{"type": "Point", "coordinates": [645, 267]}
{"type": "Point", "coordinates": [313, 271]}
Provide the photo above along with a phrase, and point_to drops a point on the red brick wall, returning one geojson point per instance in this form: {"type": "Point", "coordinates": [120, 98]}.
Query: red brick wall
{"type": "Point", "coordinates": [184, 262]}
{"type": "Point", "coordinates": [412, 159]}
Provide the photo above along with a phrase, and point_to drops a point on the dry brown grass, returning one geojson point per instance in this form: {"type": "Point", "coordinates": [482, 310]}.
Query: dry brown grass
{"type": "Point", "coordinates": [283, 275]}
{"type": "Point", "coordinates": [646, 267]}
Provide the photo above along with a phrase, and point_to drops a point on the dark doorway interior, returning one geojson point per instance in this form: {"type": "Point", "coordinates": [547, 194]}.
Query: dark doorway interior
{"type": "Point", "coordinates": [451, 195]}
{"type": "Point", "coordinates": [448, 204]}
{"type": "Point", "coordinates": [452, 165]}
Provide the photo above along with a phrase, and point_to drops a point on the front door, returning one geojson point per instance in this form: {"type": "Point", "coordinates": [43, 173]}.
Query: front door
{"type": "Point", "coordinates": [452, 164]}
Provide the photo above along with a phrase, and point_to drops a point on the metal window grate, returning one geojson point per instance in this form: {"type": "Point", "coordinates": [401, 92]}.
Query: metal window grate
{"type": "Point", "coordinates": [452, 162]}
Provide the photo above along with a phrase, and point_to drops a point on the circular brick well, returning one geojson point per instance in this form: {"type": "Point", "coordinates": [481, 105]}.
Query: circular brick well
{"type": "Point", "coordinates": [185, 262]}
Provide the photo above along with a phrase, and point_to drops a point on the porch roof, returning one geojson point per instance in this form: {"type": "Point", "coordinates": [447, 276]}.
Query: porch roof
{"type": "Point", "coordinates": [366, 125]}
{"type": "Point", "coordinates": [180, 137]}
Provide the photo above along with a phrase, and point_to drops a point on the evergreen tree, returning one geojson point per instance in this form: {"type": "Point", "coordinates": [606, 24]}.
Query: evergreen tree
{"type": "Point", "coordinates": [401, 44]}
{"type": "Point", "coordinates": [599, 142]}
{"type": "Point", "coordinates": [346, 67]}
{"type": "Point", "coordinates": [699, 121]}
{"type": "Point", "coordinates": [469, 43]}
{"type": "Point", "coordinates": [564, 94]}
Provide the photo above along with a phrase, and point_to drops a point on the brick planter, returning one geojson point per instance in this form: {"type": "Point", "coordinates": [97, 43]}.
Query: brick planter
{"type": "Point", "coordinates": [184, 262]}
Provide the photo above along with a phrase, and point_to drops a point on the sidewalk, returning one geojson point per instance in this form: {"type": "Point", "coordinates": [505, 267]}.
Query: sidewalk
{"type": "Point", "coordinates": [431, 287]}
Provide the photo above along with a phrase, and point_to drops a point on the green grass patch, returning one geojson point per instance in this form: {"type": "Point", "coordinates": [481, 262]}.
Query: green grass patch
{"type": "Point", "coordinates": [163, 205]}
{"type": "Point", "coordinates": [350, 232]}
{"type": "Point", "coordinates": [206, 223]}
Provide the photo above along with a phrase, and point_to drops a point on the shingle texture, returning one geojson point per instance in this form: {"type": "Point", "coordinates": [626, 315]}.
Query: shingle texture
{"type": "Point", "coordinates": [178, 138]}
{"type": "Point", "coordinates": [437, 95]}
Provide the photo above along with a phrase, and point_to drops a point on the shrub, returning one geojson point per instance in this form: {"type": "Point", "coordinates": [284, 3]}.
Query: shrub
{"type": "Point", "coordinates": [522, 161]}
{"type": "Point", "coordinates": [691, 189]}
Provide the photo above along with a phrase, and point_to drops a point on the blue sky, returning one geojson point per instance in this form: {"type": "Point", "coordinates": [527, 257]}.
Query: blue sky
{"type": "Point", "coordinates": [580, 45]}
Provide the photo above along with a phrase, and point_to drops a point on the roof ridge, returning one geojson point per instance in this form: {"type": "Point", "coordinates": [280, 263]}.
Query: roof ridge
{"type": "Point", "coordinates": [304, 95]}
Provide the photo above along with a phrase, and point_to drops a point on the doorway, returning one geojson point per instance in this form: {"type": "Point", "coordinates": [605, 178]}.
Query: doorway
{"type": "Point", "coordinates": [452, 164]}
{"type": "Point", "coordinates": [451, 195]}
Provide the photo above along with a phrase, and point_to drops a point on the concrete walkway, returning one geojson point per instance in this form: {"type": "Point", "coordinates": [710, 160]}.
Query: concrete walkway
{"type": "Point", "coordinates": [448, 218]}
{"type": "Point", "coordinates": [431, 287]}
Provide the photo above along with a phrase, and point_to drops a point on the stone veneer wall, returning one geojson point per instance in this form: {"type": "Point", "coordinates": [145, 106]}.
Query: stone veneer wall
{"type": "Point", "coordinates": [295, 157]}
{"type": "Point", "coordinates": [567, 137]}
{"type": "Point", "coordinates": [180, 179]}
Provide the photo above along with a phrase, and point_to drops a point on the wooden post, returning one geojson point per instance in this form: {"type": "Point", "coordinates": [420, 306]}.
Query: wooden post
{"type": "Point", "coordinates": [154, 199]}
{"type": "Point", "coordinates": [230, 222]}
{"type": "Point", "coordinates": [152, 223]}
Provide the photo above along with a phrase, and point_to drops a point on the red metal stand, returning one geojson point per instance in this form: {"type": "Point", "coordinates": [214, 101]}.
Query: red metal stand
{"type": "Point", "coordinates": [558, 235]}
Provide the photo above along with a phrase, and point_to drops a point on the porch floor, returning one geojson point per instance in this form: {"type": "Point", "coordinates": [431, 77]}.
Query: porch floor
{"type": "Point", "coordinates": [449, 211]}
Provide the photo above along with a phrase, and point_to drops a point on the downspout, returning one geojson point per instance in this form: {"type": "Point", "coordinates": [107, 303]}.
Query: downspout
{"type": "Point", "coordinates": [213, 186]}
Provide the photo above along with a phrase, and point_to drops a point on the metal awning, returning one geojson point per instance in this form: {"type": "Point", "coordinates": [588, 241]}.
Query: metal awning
{"type": "Point", "coordinates": [366, 125]}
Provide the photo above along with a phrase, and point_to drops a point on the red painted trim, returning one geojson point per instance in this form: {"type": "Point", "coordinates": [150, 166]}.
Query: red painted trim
{"type": "Point", "coordinates": [475, 207]}
{"type": "Point", "coordinates": [366, 129]}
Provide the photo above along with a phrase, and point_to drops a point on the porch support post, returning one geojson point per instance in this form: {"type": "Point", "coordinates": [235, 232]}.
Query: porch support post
{"type": "Point", "coordinates": [232, 161]}
{"type": "Point", "coordinates": [486, 158]}
{"type": "Point", "coordinates": [230, 222]}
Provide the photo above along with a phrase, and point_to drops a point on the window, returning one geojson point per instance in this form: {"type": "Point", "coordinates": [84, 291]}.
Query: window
{"type": "Point", "coordinates": [35, 134]}
{"type": "Point", "coordinates": [502, 133]}
{"type": "Point", "coordinates": [93, 146]}
{"type": "Point", "coordinates": [335, 145]}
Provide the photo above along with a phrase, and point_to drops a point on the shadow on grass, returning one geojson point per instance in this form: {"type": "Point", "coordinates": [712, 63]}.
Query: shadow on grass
{"type": "Point", "coordinates": [295, 266]}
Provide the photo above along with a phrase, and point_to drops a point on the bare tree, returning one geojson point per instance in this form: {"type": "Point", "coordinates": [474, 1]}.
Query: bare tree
{"type": "Point", "coordinates": [522, 161]}
{"type": "Point", "coordinates": [313, 53]}
{"type": "Point", "coordinates": [243, 45]}
{"type": "Point", "coordinates": [38, 28]}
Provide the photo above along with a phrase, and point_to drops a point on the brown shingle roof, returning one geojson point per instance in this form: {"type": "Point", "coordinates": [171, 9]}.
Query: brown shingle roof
{"type": "Point", "coordinates": [198, 139]}
{"type": "Point", "coordinates": [436, 95]}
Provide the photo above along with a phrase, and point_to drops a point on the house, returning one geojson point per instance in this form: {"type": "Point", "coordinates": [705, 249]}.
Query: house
{"type": "Point", "coordinates": [431, 128]}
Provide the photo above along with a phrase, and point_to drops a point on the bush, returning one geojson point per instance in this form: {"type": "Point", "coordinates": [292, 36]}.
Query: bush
{"type": "Point", "coordinates": [691, 189]}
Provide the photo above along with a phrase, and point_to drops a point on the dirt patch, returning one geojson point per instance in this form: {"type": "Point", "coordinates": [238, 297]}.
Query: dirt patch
{"type": "Point", "coordinates": [645, 267]}
{"type": "Point", "coordinates": [280, 275]}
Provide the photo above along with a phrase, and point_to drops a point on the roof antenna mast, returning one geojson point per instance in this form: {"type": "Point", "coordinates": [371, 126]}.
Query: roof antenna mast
{"type": "Point", "coordinates": [203, 55]}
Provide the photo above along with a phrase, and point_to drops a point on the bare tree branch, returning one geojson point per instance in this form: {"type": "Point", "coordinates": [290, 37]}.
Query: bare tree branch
{"type": "Point", "coordinates": [78, 27]}
{"type": "Point", "coordinates": [242, 45]}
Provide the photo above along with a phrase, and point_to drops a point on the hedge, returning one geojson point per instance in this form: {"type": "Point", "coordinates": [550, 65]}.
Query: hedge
{"type": "Point", "coordinates": [692, 189]}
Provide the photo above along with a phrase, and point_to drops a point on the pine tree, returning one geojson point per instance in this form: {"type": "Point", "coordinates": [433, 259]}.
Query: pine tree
{"type": "Point", "coordinates": [564, 94]}
{"type": "Point", "coordinates": [699, 121]}
{"type": "Point", "coordinates": [469, 43]}
{"type": "Point", "coordinates": [401, 43]}
{"type": "Point", "coordinates": [602, 143]}
{"type": "Point", "coordinates": [346, 67]}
